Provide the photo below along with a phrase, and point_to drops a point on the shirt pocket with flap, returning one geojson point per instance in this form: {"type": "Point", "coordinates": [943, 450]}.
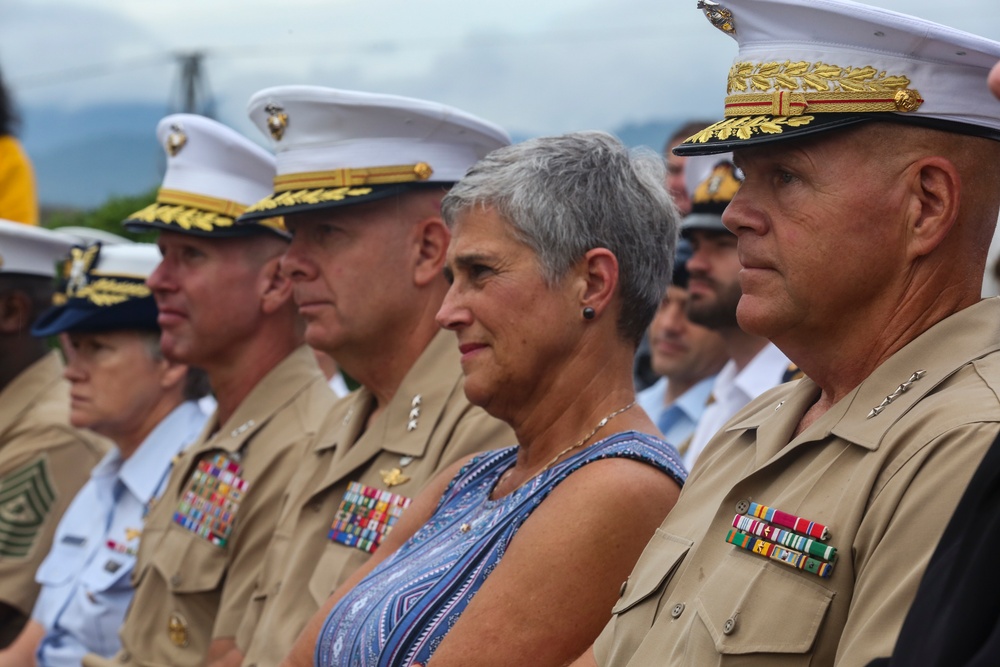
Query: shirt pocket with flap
{"type": "Point", "coordinates": [657, 564]}
{"type": "Point", "coordinates": [189, 563]}
{"type": "Point", "coordinates": [751, 605]}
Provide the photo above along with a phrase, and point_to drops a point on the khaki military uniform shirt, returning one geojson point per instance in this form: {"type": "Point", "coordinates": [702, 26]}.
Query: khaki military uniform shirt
{"type": "Point", "coordinates": [885, 486]}
{"type": "Point", "coordinates": [43, 463]}
{"type": "Point", "coordinates": [190, 590]}
{"type": "Point", "coordinates": [427, 426]}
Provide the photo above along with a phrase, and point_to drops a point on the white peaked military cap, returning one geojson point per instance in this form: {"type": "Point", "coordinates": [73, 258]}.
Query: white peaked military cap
{"type": "Point", "coordinates": [807, 66]}
{"type": "Point", "coordinates": [105, 290]}
{"type": "Point", "coordinates": [91, 234]}
{"type": "Point", "coordinates": [29, 250]}
{"type": "Point", "coordinates": [213, 174]}
{"type": "Point", "coordinates": [339, 147]}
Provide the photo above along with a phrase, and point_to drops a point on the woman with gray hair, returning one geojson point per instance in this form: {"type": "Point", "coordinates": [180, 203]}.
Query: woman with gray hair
{"type": "Point", "coordinates": [560, 254]}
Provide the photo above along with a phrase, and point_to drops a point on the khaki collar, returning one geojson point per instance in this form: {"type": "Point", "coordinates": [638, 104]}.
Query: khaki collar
{"type": "Point", "coordinates": [408, 422]}
{"type": "Point", "coordinates": [935, 355]}
{"type": "Point", "coordinates": [271, 395]}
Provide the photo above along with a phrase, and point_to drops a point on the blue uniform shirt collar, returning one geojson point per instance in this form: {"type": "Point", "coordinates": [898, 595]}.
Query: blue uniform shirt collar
{"type": "Point", "coordinates": [143, 472]}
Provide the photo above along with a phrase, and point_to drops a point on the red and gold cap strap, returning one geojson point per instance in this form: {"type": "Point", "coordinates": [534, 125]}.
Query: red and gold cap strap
{"type": "Point", "coordinates": [786, 103]}
{"type": "Point", "coordinates": [340, 178]}
{"type": "Point", "coordinates": [793, 88]}
{"type": "Point", "coordinates": [224, 207]}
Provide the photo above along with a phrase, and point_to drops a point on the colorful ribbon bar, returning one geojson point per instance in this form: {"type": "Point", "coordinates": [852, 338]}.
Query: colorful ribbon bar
{"type": "Point", "coordinates": [784, 537]}
{"type": "Point", "coordinates": [211, 499]}
{"type": "Point", "coordinates": [365, 516]}
{"type": "Point", "coordinates": [776, 552]}
{"type": "Point", "coordinates": [790, 521]}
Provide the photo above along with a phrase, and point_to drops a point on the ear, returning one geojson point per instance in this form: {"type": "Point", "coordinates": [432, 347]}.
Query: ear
{"type": "Point", "coordinates": [15, 313]}
{"type": "Point", "coordinates": [935, 196]}
{"type": "Point", "coordinates": [172, 374]}
{"type": "Point", "coordinates": [431, 237]}
{"type": "Point", "coordinates": [275, 287]}
{"type": "Point", "coordinates": [598, 276]}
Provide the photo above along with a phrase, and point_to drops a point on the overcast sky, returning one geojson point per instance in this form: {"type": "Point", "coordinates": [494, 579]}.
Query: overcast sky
{"type": "Point", "coordinates": [534, 66]}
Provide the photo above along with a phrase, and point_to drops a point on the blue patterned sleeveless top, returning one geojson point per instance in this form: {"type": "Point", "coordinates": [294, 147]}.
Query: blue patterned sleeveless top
{"type": "Point", "coordinates": [401, 611]}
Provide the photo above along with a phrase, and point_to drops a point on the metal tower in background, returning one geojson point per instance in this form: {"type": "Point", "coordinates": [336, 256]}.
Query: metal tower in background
{"type": "Point", "coordinates": [192, 94]}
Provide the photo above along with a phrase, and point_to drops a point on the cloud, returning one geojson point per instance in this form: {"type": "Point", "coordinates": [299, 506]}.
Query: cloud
{"type": "Point", "coordinates": [533, 67]}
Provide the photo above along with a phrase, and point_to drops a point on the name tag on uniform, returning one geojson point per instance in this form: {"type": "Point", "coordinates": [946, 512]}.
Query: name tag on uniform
{"type": "Point", "coordinates": [366, 515]}
{"type": "Point", "coordinates": [74, 540]}
{"type": "Point", "coordinates": [211, 499]}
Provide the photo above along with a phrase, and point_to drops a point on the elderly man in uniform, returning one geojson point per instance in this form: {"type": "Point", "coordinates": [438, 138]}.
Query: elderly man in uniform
{"type": "Point", "coordinates": [224, 306]}
{"type": "Point", "coordinates": [871, 152]}
{"type": "Point", "coordinates": [43, 460]}
{"type": "Point", "coordinates": [360, 182]}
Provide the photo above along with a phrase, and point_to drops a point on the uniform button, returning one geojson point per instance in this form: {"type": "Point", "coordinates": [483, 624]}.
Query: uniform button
{"type": "Point", "coordinates": [729, 626]}
{"type": "Point", "coordinates": [621, 591]}
{"type": "Point", "coordinates": [677, 610]}
{"type": "Point", "coordinates": [742, 507]}
{"type": "Point", "coordinates": [175, 580]}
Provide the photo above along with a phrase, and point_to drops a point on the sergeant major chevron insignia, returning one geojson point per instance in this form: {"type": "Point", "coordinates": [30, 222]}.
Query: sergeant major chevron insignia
{"type": "Point", "coordinates": [26, 496]}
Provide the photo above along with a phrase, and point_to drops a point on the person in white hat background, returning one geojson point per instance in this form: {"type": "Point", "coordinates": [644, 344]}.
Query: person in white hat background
{"type": "Point", "coordinates": [43, 460]}
{"type": "Point", "coordinates": [125, 390]}
{"type": "Point", "coordinates": [870, 147]}
{"type": "Point", "coordinates": [226, 307]}
{"type": "Point", "coordinates": [360, 182]}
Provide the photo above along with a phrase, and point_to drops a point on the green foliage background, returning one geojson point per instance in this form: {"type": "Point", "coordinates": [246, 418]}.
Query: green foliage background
{"type": "Point", "coordinates": [108, 216]}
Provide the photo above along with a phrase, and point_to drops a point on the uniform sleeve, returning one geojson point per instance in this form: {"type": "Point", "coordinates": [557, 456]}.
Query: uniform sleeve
{"type": "Point", "coordinates": [899, 534]}
{"type": "Point", "coordinates": [18, 201]}
{"type": "Point", "coordinates": [250, 545]}
{"type": "Point", "coordinates": [34, 493]}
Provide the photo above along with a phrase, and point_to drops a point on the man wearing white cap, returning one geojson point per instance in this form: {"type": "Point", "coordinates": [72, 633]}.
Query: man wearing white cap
{"type": "Point", "coordinates": [870, 147]}
{"type": "Point", "coordinates": [224, 306]}
{"type": "Point", "coordinates": [360, 182]}
{"type": "Point", "coordinates": [43, 460]}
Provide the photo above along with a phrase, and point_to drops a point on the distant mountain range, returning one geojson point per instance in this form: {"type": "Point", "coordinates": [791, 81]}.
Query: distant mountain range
{"type": "Point", "coordinates": [82, 157]}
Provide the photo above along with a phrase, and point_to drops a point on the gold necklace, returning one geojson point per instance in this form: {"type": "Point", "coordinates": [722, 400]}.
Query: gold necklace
{"type": "Point", "coordinates": [601, 424]}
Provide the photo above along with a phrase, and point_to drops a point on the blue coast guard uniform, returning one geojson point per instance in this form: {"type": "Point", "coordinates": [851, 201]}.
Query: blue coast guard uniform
{"type": "Point", "coordinates": [86, 578]}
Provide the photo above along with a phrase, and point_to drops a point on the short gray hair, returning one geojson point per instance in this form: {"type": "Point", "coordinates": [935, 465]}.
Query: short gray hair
{"type": "Point", "coordinates": [566, 195]}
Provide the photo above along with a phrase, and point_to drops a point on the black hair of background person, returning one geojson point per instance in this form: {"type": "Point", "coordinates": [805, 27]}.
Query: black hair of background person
{"type": "Point", "coordinates": [10, 120]}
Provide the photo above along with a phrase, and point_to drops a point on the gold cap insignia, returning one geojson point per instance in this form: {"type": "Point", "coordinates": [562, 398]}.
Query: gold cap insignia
{"type": "Point", "coordinates": [277, 121]}
{"type": "Point", "coordinates": [393, 477]}
{"type": "Point", "coordinates": [81, 261]}
{"type": "Point", "coordinates": [176, 139]}
{"type": "Point", "coordinates": [718, 16]}
{"type": "Point", "coordinates": [177, 630]}
{"type": "Point", "coordinates": [719, 188]}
